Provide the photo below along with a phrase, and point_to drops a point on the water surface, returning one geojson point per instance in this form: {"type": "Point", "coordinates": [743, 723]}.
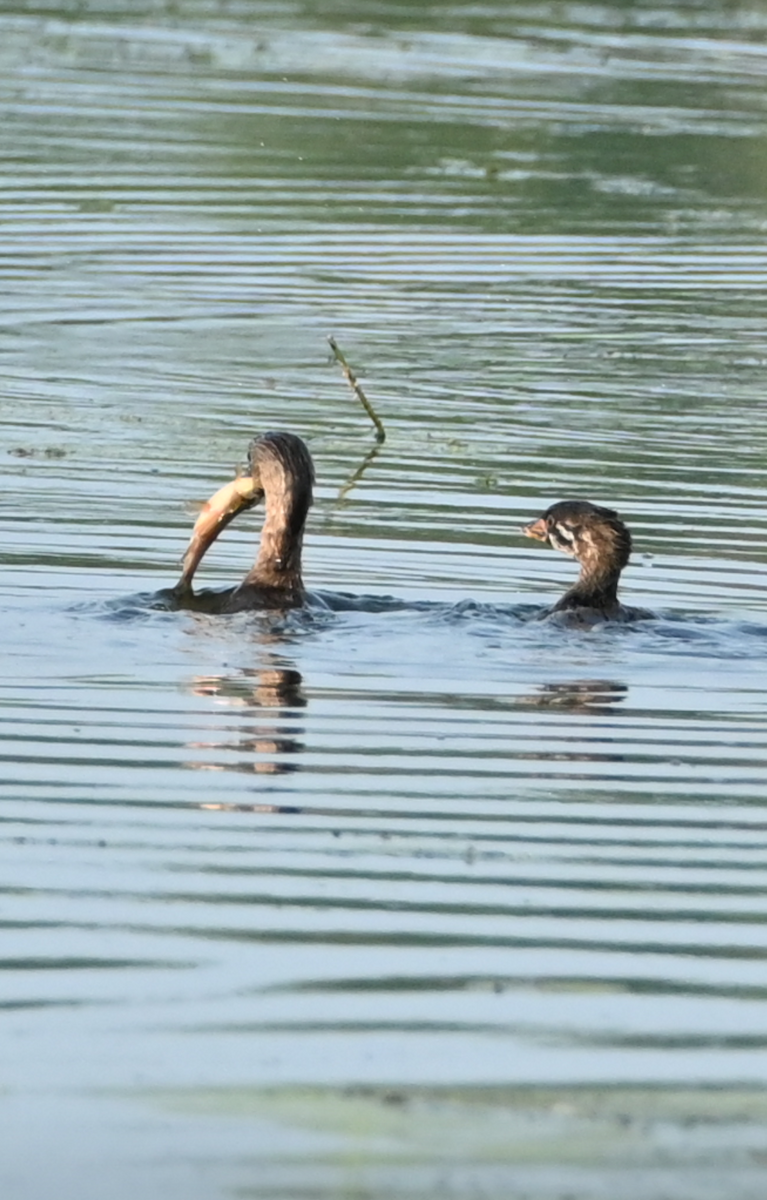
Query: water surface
{"type": "Point", "coordinates": [417, 896]}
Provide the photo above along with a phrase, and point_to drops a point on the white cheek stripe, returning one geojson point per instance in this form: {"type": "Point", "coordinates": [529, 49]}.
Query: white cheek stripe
{"type": "Point", "coordinates": [561, 533]}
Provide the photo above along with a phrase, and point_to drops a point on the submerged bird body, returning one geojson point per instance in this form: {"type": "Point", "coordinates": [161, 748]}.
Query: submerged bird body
{"type": "Point", "coordinates": [282, 474]}
{"type": "Point", "coordinates": [600, 542]}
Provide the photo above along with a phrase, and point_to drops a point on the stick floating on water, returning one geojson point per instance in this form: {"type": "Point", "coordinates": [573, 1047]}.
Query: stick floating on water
{"type": "Point", "coordinates": [356, 388]}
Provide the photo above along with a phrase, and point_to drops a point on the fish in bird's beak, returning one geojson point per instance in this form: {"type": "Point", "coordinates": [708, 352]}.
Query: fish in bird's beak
{"type": "Point", "coordinates": [538, 530]}
{"type": "Point", "coordinates": [216, 513]}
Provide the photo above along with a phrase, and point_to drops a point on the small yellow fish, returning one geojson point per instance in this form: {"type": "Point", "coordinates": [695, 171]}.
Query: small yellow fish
{"type": "Point", "coordinates": [215, 514]}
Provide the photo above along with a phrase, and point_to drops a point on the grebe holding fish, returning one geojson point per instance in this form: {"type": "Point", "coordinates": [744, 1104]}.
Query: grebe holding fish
{"type": "Point", "coordinates": [282, 475]}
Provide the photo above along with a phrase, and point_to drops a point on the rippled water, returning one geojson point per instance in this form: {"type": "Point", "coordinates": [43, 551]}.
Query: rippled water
{"type": "Point", "coordinates": [411, 896]}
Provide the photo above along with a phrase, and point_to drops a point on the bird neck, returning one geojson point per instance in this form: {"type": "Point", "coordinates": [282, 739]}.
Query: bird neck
{"type": "Point", "coordinates": [596, 587]}
{"type": "Point", "coordinates": [278, 564]}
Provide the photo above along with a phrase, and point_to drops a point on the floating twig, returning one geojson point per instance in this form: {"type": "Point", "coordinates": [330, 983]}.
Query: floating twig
{"type": "Point", "coordinates": [356, 388]}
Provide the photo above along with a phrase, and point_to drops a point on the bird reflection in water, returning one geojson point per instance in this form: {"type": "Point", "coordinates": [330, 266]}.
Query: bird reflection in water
{"type": "Point", "coordinates": [581, 697]}
{"type": "Point", "coordinates": [269, 734]}
{"type": "Point", "coordinates": [594, 696]}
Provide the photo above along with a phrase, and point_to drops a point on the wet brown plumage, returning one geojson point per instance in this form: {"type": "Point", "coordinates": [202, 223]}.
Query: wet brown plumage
{"type": "Point", "coordinates": [600, 542]}
{"type": "Point", "coordinates": [282, 474]}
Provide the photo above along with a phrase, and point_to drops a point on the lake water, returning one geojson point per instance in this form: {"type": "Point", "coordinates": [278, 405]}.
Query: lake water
{"type": "Point", "coordinates": [419, 898]}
